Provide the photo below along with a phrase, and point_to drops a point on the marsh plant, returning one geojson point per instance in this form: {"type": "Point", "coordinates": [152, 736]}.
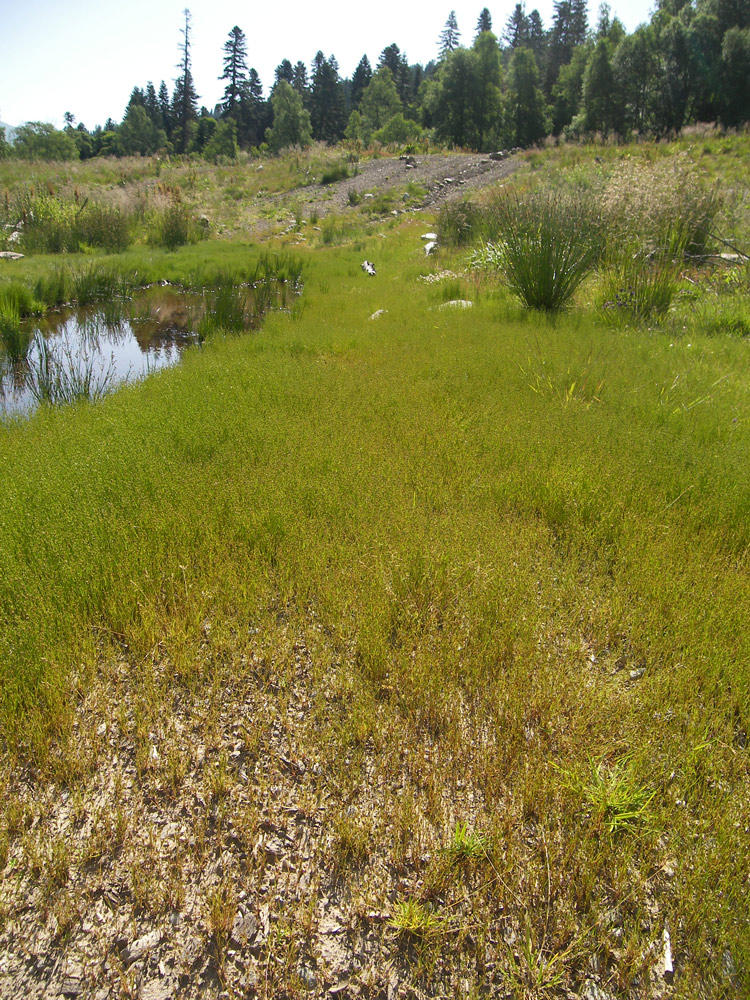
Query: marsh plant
{"type": "Point", "coordinates": [48, 223]}
{"type": "Point", "coordinates": [174, 227]}
{"type": "Point", "coordinates": [13, 339]}
{"type": "Point", "coordinates": [99, 284]}
{"type": "Point", "coordinates": [61, 374]}
{"type": "Point", "coordinates": [548, 244]}
{"type": "Point", "coordinates": [637, 287]}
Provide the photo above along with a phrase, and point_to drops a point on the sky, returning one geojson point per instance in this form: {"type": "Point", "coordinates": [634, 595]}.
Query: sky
{"type": "Point", "coordinates": [85, 56]}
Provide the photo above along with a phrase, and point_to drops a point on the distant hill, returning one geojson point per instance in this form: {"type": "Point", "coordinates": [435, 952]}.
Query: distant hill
{"type": "Point", "coordinates": [10, 132]}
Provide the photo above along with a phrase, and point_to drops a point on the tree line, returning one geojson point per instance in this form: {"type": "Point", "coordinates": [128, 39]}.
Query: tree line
{"type": "Point", "coordinates": [691, 62]}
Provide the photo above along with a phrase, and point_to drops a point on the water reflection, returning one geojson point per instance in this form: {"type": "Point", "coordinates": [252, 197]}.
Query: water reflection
{"type": "Point", "coordinates": [111, 344]}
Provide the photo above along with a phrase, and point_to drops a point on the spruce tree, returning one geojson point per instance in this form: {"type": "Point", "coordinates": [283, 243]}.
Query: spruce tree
{"type": "Point", "coordinates": [284, 71]}
{"type": "Point", "coordinates": [165, 108]}
{"type": "Point", "coordinates": [485, 21]}
{"type": "Point", "coordinates": [518, 29]}
{"type": "Point", "coordinates": [360, 79]}
{"type": "Point", "coordinates": [327, 105]}
{"type": "Point", "coordinates": [235, 72]}
{"type": "Point", "coordinates": [449, 36]}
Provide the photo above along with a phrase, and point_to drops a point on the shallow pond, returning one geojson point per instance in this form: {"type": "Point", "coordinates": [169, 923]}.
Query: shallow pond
{"type": "Point", "coordinates": [100, 347]}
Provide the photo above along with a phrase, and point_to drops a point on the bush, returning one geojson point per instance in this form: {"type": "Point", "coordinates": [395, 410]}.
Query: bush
{"type": "Point", "coordinates": [548, 244]}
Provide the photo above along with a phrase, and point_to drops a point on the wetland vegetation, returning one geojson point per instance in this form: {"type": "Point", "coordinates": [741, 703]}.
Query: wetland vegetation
{"type": "Point", "coordinates": [391, 646]}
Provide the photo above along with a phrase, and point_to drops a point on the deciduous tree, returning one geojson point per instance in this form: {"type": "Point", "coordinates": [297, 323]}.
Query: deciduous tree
{"type": "Point", "coordinates": [291, 122]}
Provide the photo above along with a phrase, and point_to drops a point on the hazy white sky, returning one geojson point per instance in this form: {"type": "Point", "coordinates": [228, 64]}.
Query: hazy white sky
{"type": "Point", "coordinates": [85, 56]}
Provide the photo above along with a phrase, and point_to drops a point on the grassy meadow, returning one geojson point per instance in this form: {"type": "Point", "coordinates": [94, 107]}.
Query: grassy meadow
{"type": "Point", "coordinates": [482, 570]}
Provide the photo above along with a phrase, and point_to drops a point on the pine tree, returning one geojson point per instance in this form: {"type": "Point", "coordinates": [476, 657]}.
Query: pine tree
{"type": "Point", "coordinates": [151, 104]}
{"type": "Point", "coordinates": [392, 58]}
{"type": "Point", "coordinates": [327, 105]}
{"type": "Point", "coordinates": [301, 83]}
{"type": "Point", "coordinates": [537, 38]}
{"type": "Point", "coordinates": [518, 29]}
{"type": "Point", "coordinates": [284, 71]}
{"type": "Point", "coordinates": [579, 22]}
{"type": "Point", "coordinates": [449, 36]}
{"type": "Point", "coordinates": [254, 112]}
{"type": "Point", "coordinates": [360, 79]}
{"type": "Point", "coordinates": [184, 99]}
{"type": "Point", "coordinates": [235, 72]}
{"type": "Point", "coordinates": [485, 21]}
{"type": "Point", "coordinates": [165, 108]}
{"type": "Point", "coordinates": [526, 98]}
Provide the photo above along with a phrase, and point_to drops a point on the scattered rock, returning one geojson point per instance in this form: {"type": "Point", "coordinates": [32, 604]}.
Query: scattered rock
{"type": "Point", "coordinates": [592, 991]}
{"type": "Point", "coordinates": [159, 989]}
{"type": "Point", "coordinates": [667, 956]}
{"type": "Point", "coordinates": [376, 315]}
{"type": "Point", "coordinates": [10, 255]}
{"type": "Point", "coordinates": [457, 304]}
{"type": "Point", "coordinates": [308, 978]}
{"type": "Point", "coordinates": [141, 947]}
{"type": "Point", "coordinates": [245, 928]}
{"type": "Point", "coordinates": [635, 675]}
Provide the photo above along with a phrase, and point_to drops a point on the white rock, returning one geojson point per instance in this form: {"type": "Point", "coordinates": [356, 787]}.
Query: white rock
{"type": "Point", "coordinates": [457, 304]}
{"type": "Point", "coordinates": [429, 236]}
{"type": "Point", "coordinates": [429, 248]}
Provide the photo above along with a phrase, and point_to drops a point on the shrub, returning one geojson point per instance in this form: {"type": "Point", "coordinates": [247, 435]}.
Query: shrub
{"type": "Point", "coordinates": [548, 244]}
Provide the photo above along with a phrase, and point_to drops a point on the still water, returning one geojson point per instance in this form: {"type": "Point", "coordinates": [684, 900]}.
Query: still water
{"type": "Point", "coordinates": [103, 345]}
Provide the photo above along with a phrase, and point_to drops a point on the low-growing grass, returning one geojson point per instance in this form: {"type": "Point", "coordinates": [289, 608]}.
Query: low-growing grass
{"type": "Point", "coordinates": [485, 571]}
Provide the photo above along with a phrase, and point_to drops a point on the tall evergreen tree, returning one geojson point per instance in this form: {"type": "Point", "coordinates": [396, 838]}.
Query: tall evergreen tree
{"type": "Point", "coordinates": [395, 60]}
{"type": "Point", "coordinates": [254, 114]}
{"type": "Point", "coordinates": [165, 108]}
{"type": "Point", "coordinates": [635, 66]}
{"type": "Point", "coordinates": [184, 99]}
{"type": "Point", "coordinates": [602, 106]}
{"type": "Point", "coordinates": [537, 37]}
{"type": "Point", "coordinates": [235, 72]}
{"type": "Point", "coordinates": [327, 105]}
{"type": "Point", "coordinates": [301, 83]}
{"type": "Point", "coordinates": [449, 36]}
{"type": "Point", "coordinates": [360, 80]}
{"type": "Point", "coordinates": [518, 29]}
{"type": "Point", "coordinates": [485, 21]}
{"type": "Point", "coordinates": [151, 104]}
{"type": "Point", "coordinates": [284, 71]}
